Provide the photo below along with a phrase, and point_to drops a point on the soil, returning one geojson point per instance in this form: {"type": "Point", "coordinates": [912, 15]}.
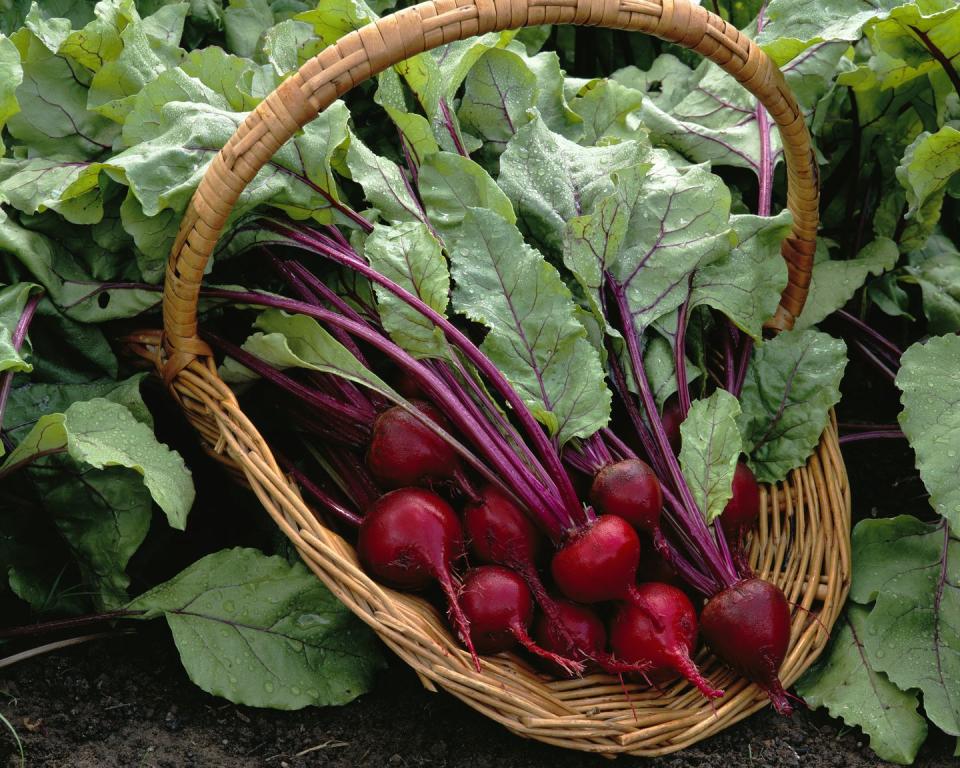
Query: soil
{"type": "Point", "coordinates": [127, 702]}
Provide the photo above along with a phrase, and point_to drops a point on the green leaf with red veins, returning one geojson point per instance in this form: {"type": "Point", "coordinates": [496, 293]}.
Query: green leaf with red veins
{"type": "Point", "coordinates": [609, 111]}
{"type": "Point", "coordinates": [13, 299]}
{"type": "Point", "coordinates": [534, 336]}
{"type": "Point", "coordinates": [411, 257]}
{"type": "Point", "coordinates": [912, 570]}
{"type": "Point", "coordinates": [746, 283]}
{"type": "Point", "coordinates": [846, 684]}
{"type": "Point", "coordinates": [792, 382]}
{"type": "Point", "coordinates": [54, 121]}
{"type": "Point", "coordinates": [709, 449]}
{"type": "Point", "coordinates": [551, 180]}
{"type": "Point", "coordinates": [716, 120]}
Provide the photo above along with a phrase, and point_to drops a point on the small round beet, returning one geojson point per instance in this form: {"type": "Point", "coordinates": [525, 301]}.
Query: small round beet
{"type": "Point", "coordinates": [658, 625]}
{"type": "Point", "coordinates": [499, 607]}
{"type": "Point", "coordinates": [629, 489]}
{"type": "Point", "coordinates": [743, 508]}
{"type": "Point", "coordinates": [576, 628]}
{"type": "Point", "coordinates": [599, 562]}
{"type": "Point", "coordinates": [748, 626]}
{"type": "Point", "coordinates": [404, 451]}
{"type": "Point", "coordinates": [410, 538]}
{"type": "Point", "coordinates": [499, 531]}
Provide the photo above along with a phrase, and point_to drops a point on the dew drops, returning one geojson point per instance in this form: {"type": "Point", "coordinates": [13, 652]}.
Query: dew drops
{"type": "Point", "coordinates": [269, 687]}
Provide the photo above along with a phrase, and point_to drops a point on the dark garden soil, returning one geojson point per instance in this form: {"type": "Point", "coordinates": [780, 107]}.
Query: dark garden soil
{"type": "Point", "coordinates": [127, 702]}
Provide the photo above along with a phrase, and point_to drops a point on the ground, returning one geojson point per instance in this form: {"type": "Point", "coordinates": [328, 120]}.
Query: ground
{"type": "Point", "coordinates": [126, 702]}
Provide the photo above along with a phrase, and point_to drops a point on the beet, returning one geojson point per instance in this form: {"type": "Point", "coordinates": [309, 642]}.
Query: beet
{"type": "Point", "coordinates": [576, 629]}
{"type": "Point", "coordinates": [404, 451]}
{"type": "Point", "coordinates": [636, 638]}
{"type": "Point", "coordinates": [631, 490]}
{"type": "Point", "coordinates": [499, 607]}
{"type": "Point", "coordinates": [672, 418]}
{"type": "Point", "coordinates": [748, 626]}
{"type": "Point", "coordinates": [410, 538]}
{"type": "Point", "coordinates": [599, 562]}
{"type": "Point", "coordinates": [499, 532]}
{"type": "Point", "coordinates": [743, 508]}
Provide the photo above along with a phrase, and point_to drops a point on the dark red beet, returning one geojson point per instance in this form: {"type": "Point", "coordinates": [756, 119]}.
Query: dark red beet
{"type": "Point", "coordinates": [410, 538]}
{"type": "Point", "coordinates": [748, 626]}
{"type": "Point", "coordinates": [499, 531]}
{"type": "Point", "coordinates": [499, 607]}
{"type": "Point", "coordinates": [587, 638]}
{"type": "Point", "coordinates": [403, 451]}
{"type": "Point", "coordinates": [672, 418]}
{"type": "Point", "coordinates": [598, 563]}
{"type": "Point", "coordinates": [631, 490]}
{"type": "Point", "coordinates": [581, 631]}
{"type": "Point", "coordinates": [635, 638]}
{"type": "Point", "coordinates": [744, 506]}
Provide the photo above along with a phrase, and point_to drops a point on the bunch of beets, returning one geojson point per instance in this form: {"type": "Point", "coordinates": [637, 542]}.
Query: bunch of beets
{"type": "Point", "coordinates": [593, 557]}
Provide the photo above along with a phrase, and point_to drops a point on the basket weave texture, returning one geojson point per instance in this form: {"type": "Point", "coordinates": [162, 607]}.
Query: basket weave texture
{"type": "Point", "coordinates": [802, 539]}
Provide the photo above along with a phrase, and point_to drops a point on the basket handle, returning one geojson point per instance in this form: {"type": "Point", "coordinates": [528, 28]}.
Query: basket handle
{"type": "Point", "coordinates": [391, 39]}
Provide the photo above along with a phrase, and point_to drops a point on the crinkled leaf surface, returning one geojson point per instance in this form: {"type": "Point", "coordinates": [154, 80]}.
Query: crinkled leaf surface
{"type": "Point", "coordinates": [716, 118]}
{"type": "Point", "coordinates": [792, 382]}
{"type": "Point", "coordinates": [936, 269]}
{"type": "Point", "coordinates": [609, 110]}
{"type": "Point", "coordinates": [534, 336]}
{"type": "Point", "coordinates": [551, 180]}
{"type": "Point", "coordinates": [383, 183]}
{"type": "Point", "coordinates": [850, 688]}
{"type": "Point", "coordinates": [451, 184]}
{"type": "Point", "coordinates": [924, 172]}
{"type": "Point", "coordinates": [101, 434]}
{"type": "Point", "coordinates": [658, 227]}
{"type": "Point", "coordinates": [102, 515]}
{"type": "Point", "coordinates": [11, 75]}
{"type": "Point", "coordinates": [411, 257]}
{"type": "Point", "coordinates": [929, 381]}
{"type": "Point", "coordinates": [834, 282]}
{"type": "Point", "coordinates": [746, 283]}
{"type": "Point", "coordinates": [262, 632]}
{"type": "Point", "coordinates": [709, 449]}
{"type": "Point", "coordinates": [912, 571]}
{"type": "Point", "coordinates": [54, 120]}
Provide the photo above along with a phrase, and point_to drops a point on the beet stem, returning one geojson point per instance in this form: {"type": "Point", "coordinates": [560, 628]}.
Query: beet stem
{"type": "Point", "coordinates": [568, 665]}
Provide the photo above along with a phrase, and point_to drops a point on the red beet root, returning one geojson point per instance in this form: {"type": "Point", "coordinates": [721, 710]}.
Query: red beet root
{"type": "Point", "coordinates": [748, 626]}
{"type": "Point", "coordinates": [672, 418]}
{"type": "Point", "coordinates": [499, 531]}
{"type": "Point", "coordinates": [410, 538]}
{"type": "Point", "coordinates": [403, 451]}
{"type": "Point", "coordinates": [499, 607]}
{"type": "Point", "coordinates": [630, 489]}
{"type": "Point", "coordinates": [744, 506]}
{"type": "Point", "coordinates": [598, 563]}
{"type": "Point", "coordinates": [577, 629]}
{"type": "Point", "coordinates": [636, 638]}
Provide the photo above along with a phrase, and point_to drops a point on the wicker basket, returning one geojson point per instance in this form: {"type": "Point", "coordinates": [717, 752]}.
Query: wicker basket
{"type": "Point", "coordinates": [802, 539]}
